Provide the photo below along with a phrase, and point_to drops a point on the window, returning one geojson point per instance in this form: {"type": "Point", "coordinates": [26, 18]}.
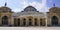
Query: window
{"type": "Point", "coordinates": [24, 22]}
{"type": "Point", "coordinates": [18, 21]}
{"type": "Point", "coordinates": [30, 22]}
{"type": "Point", "coordinates": [35, 22]}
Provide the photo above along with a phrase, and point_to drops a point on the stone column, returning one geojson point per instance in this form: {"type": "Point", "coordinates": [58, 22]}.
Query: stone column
{"type": "Point", "coordinates": [33, 21]}
{"type": "Point", "coordinates": [12, 21]}
{"type": "Point", "coordinates": [46, 22]}
{"type": "Point", "coordinates": [38, 22]}
{"type": "Point", "coordinates": [0, 21]}
{"type": "Point", "coordinates": [59, 21]}
{"type": "Point", "coordinates": [9, 21]}
{"type": "Point", "coordinates": [21, 23]}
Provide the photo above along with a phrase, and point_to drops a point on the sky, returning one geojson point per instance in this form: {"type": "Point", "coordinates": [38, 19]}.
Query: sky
{"type": "Point", "coordinates": [40, 5]}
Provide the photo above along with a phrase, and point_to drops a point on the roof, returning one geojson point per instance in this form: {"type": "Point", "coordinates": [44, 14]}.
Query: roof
{"type": "Point", "coordinates": [4, 8]}
{"type": "Point", "coordinates": [54, 9]}
{"type": "Point", "coordinates": [30, 8]}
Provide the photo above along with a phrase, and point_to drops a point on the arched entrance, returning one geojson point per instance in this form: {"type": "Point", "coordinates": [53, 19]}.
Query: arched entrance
{"type": "Point", "coordinates": [18, 22]}
{"type": "Point", "coordinates": [54, 20]}
{"type": "Point", "coordinates": [24, 22]}
{"type": "Point", "coordinates": [15, 24]}
{"type": "Point", "coordinates": [41, 23]}
{"type": "Point", "coordinates": [30, 22]}
{"type": "Point", "coordinates": [35, 22]}
{"type": "Point", "coordinates": [5, 20]}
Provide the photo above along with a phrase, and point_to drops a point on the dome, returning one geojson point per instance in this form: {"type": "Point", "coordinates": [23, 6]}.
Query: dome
{"type": "Point", "coordinates": [4, 8]}
{"type": "Point", "coordinates": [54, 9]}
{"type": "Point", "coordinates": [30, 8]}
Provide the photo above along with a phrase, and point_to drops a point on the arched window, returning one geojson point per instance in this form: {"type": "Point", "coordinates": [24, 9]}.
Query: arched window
{"type": "Point", "coordinates": [5, 20]}
{"type": "Point", "coordinates": [35, 21]}
{"type": "Point", "coordinates": [15, 24]}
{"type": "Point", "coordinates": [41, 22]}
{"type": "Point", "coordinates": [54, 20]}
{"type": "Point", "coordinates": [18, 21]}
{"type": "Point", "coordinates": [30, 22]}
{"type": "Point", "coordinates": [24, 21]}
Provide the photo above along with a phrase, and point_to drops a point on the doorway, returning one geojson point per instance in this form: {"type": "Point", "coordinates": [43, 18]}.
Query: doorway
{"type": "Point", "coordinates": [54, 20]}
{"type": "Point", "coordinates": [5, 20]}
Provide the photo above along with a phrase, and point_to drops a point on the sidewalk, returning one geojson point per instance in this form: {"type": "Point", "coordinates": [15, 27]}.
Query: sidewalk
{"type": "Point", "coordinates": [29, 28]}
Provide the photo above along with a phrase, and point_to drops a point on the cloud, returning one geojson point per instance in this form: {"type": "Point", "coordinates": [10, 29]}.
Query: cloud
{"type": "Point", "coordinates": [42, 7]}
{"type": "Point", "coordinates": [39, 6]}
{"type": "Point", "coordinates": [16, 10]}
{"type": "Point", "coordinates": [21, 4]}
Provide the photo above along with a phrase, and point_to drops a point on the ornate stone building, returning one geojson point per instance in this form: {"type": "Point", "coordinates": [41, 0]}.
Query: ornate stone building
{"type": "Point", "coordinates": [53, 16]}
{"type": "Point", "coordinates": [29, 17]}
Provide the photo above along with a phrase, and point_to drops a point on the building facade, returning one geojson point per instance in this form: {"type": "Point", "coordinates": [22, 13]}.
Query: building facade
{"type": "Point", "coordinates": [29, 17]}
{"type": "Point", "coordinates": [53, 16]}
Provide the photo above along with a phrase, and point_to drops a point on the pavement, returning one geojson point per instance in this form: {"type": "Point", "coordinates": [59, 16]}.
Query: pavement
{"type": "Point", "coordinates": [29, 28]}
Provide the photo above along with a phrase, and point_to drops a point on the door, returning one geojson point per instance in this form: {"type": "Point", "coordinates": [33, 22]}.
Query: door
{"type": "Point", "coordinates": [5, 20]}
{"type": "Point", "coordinates": [24, 22]}
{"type": "Point", "coordinates": [30, 22]}
{"type": "Point", "coordinates": [54, 20]}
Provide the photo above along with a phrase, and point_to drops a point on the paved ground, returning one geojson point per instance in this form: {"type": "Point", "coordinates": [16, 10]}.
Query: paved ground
{"type": "Point", "coordinates": [29, 28]}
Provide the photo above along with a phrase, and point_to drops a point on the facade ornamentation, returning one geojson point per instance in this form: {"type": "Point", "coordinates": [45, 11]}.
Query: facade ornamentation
{"type": "Point", "coordinates": [29, 17]}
